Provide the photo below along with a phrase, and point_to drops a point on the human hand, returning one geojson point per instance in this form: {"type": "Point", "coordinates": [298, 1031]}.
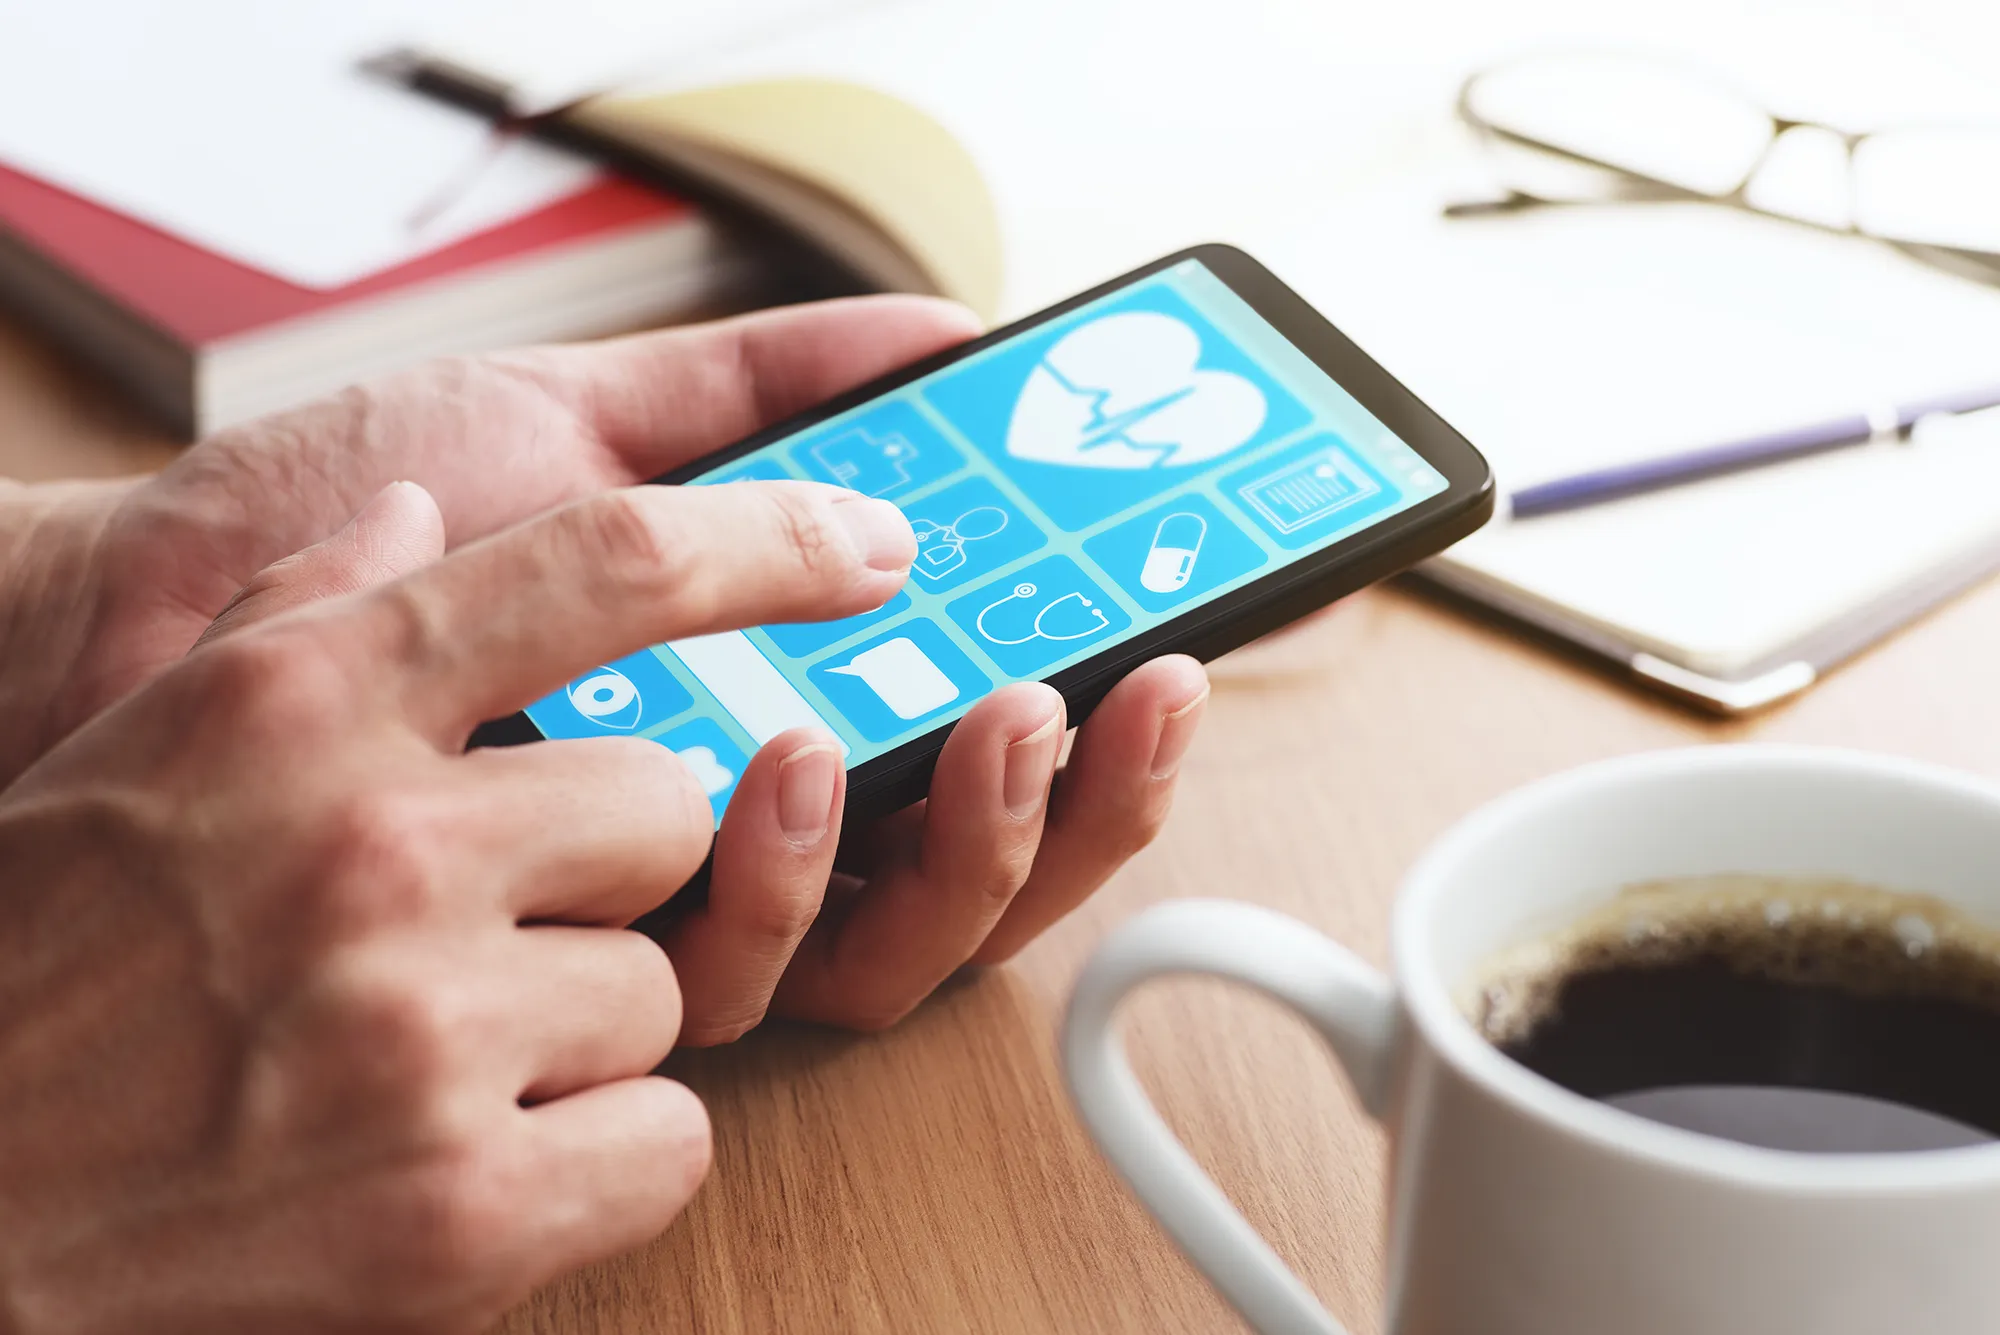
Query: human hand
{"type": "Point", "coordinates": [104, 585]}
{"type": "Point", "coordinates": [856, 931]}
{"type": "Point", "coordinates": [971, 874]}
{"type": "Point", "coordinates": [312, 1020]}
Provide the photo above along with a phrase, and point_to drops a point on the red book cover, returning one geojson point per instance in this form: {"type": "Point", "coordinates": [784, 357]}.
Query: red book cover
{"type": "Point", "coordinates": [200, 297]}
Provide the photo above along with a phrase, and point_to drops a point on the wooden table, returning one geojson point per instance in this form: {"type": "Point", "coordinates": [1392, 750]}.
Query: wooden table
{"type": "Point", "coordinates": [932, 1179]}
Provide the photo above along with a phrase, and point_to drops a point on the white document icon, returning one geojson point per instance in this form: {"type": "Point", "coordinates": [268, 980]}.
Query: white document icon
{"type": "Point", "coordinates": [1307, 490]}
{"type": "Point", "coordinates": [903, 676]}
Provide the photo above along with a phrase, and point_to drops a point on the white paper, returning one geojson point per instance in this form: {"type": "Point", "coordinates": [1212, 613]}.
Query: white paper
{"type": "Point", "coordinates": [1113, 130]}
{"type": "Point", "coordinates": [1568, 339]}
{"type": "Point", "coordinates": [1720, 575]}
{"type": "Point", "coordinates": [247, 129]}
{"type": "Point", "coordinates": [1110, 131]}
{"type": "Point", "coordinates": [549, 52]}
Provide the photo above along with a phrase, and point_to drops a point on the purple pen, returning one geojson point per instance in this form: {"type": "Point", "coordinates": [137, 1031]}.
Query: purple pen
{"type": "Point", "coordinates": [1886, 421]}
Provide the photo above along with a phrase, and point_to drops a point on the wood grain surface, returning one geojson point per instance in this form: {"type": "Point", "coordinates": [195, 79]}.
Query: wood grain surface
{"type": "Point", "coordinates": [932, 1178]}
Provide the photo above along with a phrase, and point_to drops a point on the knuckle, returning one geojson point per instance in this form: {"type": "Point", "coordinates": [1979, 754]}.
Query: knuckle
{"type": "Point", "coordinates": [384, 859]}
{"type": "Point", "coordinates": [446, 1242]}
{"type": "Point", "coordinates": [274, 678]}
{"type": "Point", "coordinates": [408, 624]}
{"type": "Point", "coordinates": [622, 536]}
{"type": "Point", "coordinates": [655, 987]}
{"type": "Point", "coordinates": [1113, 829]}
{"type": "Point", "coordinates": [778, 916]}
{"type": "Point", "coordinates": [999, 886]}
{"type": "Point", "coordinates": [804, 529]}
{"type": "Point", "coordinates": [1133, 835]}
{"type": "Point", "coordinates": [401, 1038]}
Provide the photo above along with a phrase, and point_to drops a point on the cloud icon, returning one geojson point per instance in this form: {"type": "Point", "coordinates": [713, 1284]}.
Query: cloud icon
{"type": "Point", "coordinates": [1128, 391]}
{"type": "Point", "coordinates": [713, 775]}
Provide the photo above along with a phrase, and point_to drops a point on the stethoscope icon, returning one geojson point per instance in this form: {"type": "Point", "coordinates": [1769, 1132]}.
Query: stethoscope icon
{"type": "Point", "coordinates": [1027, 590]}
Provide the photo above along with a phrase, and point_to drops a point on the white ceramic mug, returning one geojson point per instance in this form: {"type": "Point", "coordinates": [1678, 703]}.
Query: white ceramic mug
{"type": "Point", "coordinates": [1518, 1207]}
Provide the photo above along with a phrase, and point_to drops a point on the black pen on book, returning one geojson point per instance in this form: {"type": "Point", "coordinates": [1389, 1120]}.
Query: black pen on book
{"type": "Point", "coordinates": [1884, 422]}
{"type": "Point", "coordinates": [816, 227]}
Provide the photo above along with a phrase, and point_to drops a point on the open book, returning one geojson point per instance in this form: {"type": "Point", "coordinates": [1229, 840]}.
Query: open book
{"type": "Point", "coordinates": [1005, 155]}
{"type": "Point", "coordinates": [1587, 337]}
{"type": "Point", "coordinates": [849, 175]}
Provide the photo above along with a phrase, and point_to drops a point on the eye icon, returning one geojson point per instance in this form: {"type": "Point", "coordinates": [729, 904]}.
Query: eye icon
{"type": "Point", "coordinates": [607, 698]}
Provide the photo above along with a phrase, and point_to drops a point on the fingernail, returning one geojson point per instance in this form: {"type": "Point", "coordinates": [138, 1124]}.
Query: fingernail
{"type": "Point", "coordinates": [1031, 763]}
{"type": "Point", "coordinates": [1176, 734]}
{"type": "Point", "coordinates": [805, 792]}
{"type": "Point", "coordinates": [880, 534]}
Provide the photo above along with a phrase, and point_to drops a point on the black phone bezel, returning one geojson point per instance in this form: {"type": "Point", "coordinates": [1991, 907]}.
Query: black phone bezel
{"type": "Point", "coordinates": [901, 776]}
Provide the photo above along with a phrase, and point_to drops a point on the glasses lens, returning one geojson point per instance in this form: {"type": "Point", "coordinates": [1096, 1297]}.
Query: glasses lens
{"type": "Point", "coordinates": [1936, 187]}
{"type": "Point", "coordinates": [1638, 115]}
{"type": "Point", "coordinates": [1804, 176]}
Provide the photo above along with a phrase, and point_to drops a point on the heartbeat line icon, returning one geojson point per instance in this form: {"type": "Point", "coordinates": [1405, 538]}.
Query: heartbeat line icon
{"type": "Point", "coordinates": [1128, 391]}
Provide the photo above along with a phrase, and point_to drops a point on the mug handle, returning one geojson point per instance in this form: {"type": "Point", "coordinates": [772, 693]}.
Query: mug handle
{"type": "Point", "coordinates": [1350, 1004]}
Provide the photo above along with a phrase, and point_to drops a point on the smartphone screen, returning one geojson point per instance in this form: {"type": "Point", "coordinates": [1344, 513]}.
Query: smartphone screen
{"type": "Point", "coordinates": [1073, 486]}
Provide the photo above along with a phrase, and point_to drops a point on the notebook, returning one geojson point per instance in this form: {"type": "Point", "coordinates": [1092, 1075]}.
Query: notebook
{"type": "Point", "coordinates": [203, 341]}
{"type": "Point", "coordinates": [252, 133]}
{"type": "Point", "coordinates": [1067, 140]}
{"type": "Point", "coordinates": [848, 185]}
{"type": "Point", "coordinates": [228, 214]}
{"type": "Point", "coordinates": [1583, 337]}
{"type": "Point", "coordinates": [1739, 592]}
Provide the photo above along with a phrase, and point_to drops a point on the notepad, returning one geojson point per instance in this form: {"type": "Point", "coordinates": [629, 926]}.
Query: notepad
{"type": "Point", "coordinates": [1588, 337]}
{"type": "Point", "coordinates": [1568, 339]}
{"type": "Point", "coordinates": [1740, 591]}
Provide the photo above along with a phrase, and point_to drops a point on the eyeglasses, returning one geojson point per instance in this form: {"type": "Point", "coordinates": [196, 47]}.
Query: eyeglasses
{"type": "Point", "coordinates": [1587, 127]}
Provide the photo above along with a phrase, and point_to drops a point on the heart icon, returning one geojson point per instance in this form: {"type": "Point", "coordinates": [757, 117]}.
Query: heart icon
{"type": "Point", "coordinates": [1127, 391]}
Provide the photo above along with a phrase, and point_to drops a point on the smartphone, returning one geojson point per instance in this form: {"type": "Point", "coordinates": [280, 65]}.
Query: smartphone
{"type": "Point", "coordinates": [1180, 460]}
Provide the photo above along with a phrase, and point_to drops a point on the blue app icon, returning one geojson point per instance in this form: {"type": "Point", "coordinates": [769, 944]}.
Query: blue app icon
{"type": "Point", "coordinates": [801, 638]}
{"type": "Point", "coordinates": [965, 531]}
{"type": "Point", "coordinates": [1174, 553]}
{"type": "Point", "coordinates": [911, 674]}
{"type": "Point", "coordinates": [1115, 404]}
{"type": "Point", "coordinates": [1035, 617]}
{"type": "Point", "coordinates": [1310, 492]}
{"type": "Point", "coordinates": [627, 696]}
{"type": "Point", "coordinates": [764, 469]}
{"type": "Point", "coordinates": [887, 450]}
{"type": "Point", "coordinates": [710, 755]}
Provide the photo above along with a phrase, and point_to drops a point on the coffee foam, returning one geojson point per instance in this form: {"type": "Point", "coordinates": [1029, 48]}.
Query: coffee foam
{"type": "Point", "coordinates": [1814, 931]}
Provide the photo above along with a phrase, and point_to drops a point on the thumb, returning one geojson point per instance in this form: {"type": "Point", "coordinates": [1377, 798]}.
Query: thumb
{"type": "Point", "coordinates": [398, 531]}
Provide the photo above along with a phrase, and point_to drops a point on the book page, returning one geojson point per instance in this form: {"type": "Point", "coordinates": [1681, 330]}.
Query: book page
{"type": "Point", "coordinates": [1722, 574]}
{"type": "Point", "coordinates": [250, 130]}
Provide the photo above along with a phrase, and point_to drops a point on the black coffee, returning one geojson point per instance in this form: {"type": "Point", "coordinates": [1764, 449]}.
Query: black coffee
{"type": "Point", "coordinates": [1813, 1016]}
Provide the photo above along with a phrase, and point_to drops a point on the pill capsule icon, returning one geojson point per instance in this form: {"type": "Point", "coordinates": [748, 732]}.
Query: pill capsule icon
{"type": "Point", "coordinates": [1176, 545]}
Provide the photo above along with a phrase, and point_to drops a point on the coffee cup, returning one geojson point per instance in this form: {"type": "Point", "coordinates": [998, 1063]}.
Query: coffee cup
{"type": "Point", "coordinates": [1521, 1207]}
